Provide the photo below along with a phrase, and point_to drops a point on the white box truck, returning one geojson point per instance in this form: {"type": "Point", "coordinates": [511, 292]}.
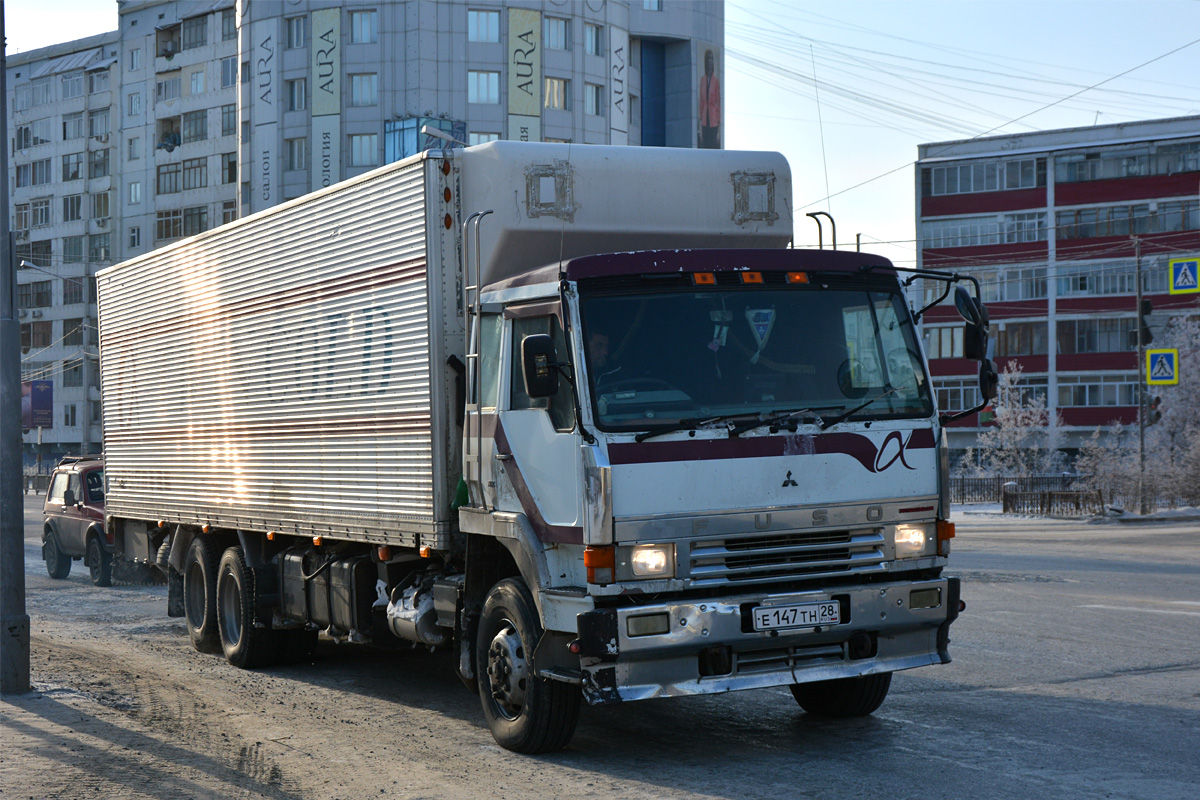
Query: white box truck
{"type": "Point", "coordinates": [577, 412]}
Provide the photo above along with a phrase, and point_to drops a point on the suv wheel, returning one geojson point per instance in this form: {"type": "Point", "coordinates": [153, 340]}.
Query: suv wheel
{"type": "Point", "coordinates": [99, 562]}
{"type": "Point", "coordinates": [58, 563]}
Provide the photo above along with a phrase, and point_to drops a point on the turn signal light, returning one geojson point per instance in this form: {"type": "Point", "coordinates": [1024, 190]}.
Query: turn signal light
{"type": "Point", "coordinates": [206, 528]}
{"type": "Point", "coordinates": [384, 554]}
{"type": "Point", "coordinates": [797, 277]}
{"type": "Point", "coordinates": [751, 277]}
{"type": "Point", "coordinates": [270, 536]}
{"type": "Point", "coordinates": [318, 541]}
{"type": "Point", "coordinates": [601, 563]}
{"type": "Point", "coordinates": [426, 551]}
{"type": "Point", "coordinates": [945, 532]}
{"type": "Point", "coordinates": [162, 523]}
{"type": "Point", "coordinates": [704, 278]}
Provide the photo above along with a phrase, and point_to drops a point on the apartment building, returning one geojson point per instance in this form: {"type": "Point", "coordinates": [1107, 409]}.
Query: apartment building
{"type": "Point", "coordinates": [195, 112]}
{"type": "Point", "coordinates": [1055, 224]}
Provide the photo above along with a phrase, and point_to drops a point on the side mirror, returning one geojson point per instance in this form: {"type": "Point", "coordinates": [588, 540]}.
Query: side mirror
{"type": "Point", "coordinates": [69, 498]}
{"type": "Point", "coordinates": [968, 309]}
{"type": "Point", "coordinates": [988, 380]}
{"type": "Point", "coordinates": [975, 342]}
{"type": "Point", "coordinates": [537, 361]}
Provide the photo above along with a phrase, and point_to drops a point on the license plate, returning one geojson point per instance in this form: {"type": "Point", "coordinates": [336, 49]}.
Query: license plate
{"type": "Point", "coordinates": [805, 615]}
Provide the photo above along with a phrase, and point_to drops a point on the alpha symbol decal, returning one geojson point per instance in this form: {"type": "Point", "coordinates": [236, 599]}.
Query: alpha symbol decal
{"type": "Point", "coordinates": [895, 455]}
{"type": "Point", "coordinates": [788, 480]}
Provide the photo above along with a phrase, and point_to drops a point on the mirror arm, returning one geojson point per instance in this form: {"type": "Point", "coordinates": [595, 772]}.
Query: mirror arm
{"type": "Point", "coordinates": [917, 316]}
{"type": "Point", "coordinates": [944, 418]}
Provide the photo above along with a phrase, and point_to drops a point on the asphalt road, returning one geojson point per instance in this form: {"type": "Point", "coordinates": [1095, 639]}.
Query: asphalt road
{"type": "Point", "coordinates": [1076, 674]}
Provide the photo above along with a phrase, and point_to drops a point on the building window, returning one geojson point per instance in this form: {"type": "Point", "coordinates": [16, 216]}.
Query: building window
{"type": "Point", "coordinates": [195, 220]}
{"type": "Point", "coordinates": [228, 72]}
{"type": "Point", "coordinates": [593, 99]}
{"type": "Point", "coordinates": [558, 93]}
{"type": "Point", "coordinates": [34, 295]}
{"type": "Point", "coordinates": [195, 32]}
{"type": "Point", "coordinates": [297, 32]}
{"type": "Point", "coordinates": [228, 25]}
{"type": "Point", "coordinates": [134, 106]}
{"type": "Point", "coordinates": [98, 247]}
{"type": "Point", "coordinates": [1097, 390]}
{"type": "Point", "coordinates": [36, 334]}
{"type": "Point", "coordinates": [1025, 228]}
{"type": "Point", "coordinates": [1022, 339]}
{"type": "Point", "coordinates": [993, 176]}
{"type": "Point", "coordinates": [956, 395]}
{"type": "Point", "coordinates": [168, 88]}
{"type": "Point", "coordinates": [593, 38]}
{"type": "Point", "coordinates": [195, 126]}
{"type": "Point", "coordinates": [72, 291]}
{"type": "Point", "coordinates": [1112, 335]}
{"type": "Point", "coordinates": [168, 225]}
{"type": "Point", "coordinates": [98, 124]}
{"type": "Point", "coordinates": [40, 172]}
{"type": "Point", "coordinates": [43, 91]}
{"type": "Point", "coordinates": [135, 237]}
{"type": "Point", "coordinates": [22, 97]}
{"type": "Point", "coordinates": [72, 249]}
{"type": "Point", "coordinates": [100, 205]}
{"type": "Point", "coordinates": [72, 167]}
{"type": "Point", "coordinates": [364, 150]}
{"type": "Point", "coordinates": [134, 149]}
{"type": "Point", "coordinates": [297, 92]}
{"type": "Point", "coordinates": [24, 175]}
{"type": "Point", "coordinates": [481, 138]}
{"type": "Point", "coordinates": [41, 212]}
{"type": "Point", "coordinates": [72, 85]}
{"type": "Point", "coordinates": [135, 192]}
{"type": "Point", "coordinates": [652, 5]}
{"type": "Point", "coordinates": [1128, 162]}
{"type": "Point", "coordinates": [297, 153]}
{"type": "Point", "coordinates": [557, 33]}
{"type": "Point", "coordinates": [197, 80]}
{"type": "Point", "coordinates": [483, 26]}
{"type": "Point", "coordinates": [73, 331]}
{"type": "Point", "coordinates": [364, 27]}
{"type": "Point", "coordinates": [229, 168]}
{"type": "Point", "coordinates": [168, 178]}
{"type": "Point", "coordinates": [229, 120]}
{"type": "Point", "coordinates": [69, 415]}
{"type": "Point", "coordinates": [135, 58]}
{"type": "Point", "coordinates": [72, 206]}
{"type": "Point", "coordinates": [22, 217]}
{"type": "Point", "coordinates": [195, 173]}
{"type": "Point", "coordinates": [98, 163]}
{"type": "Point", "coordinates": [483, 87]}
{"type": "Point", "coordinates": [72, 373]}
{"type": "Point", "coordinates": [98, 81]}
{"type": "Point", "coordinates": [73, 126]}
{"type": "Point", "coordinates": [364, 89]}
{"type": "Point", "coordinates": [228, 211]}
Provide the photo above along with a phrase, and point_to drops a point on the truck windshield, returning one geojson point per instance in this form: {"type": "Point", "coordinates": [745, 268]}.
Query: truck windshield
{"type": "Point", "coordinates": [659, 358]}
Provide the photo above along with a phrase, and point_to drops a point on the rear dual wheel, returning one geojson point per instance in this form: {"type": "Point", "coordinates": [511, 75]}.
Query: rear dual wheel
{"type": "Point", "coordinates": [246, 642]}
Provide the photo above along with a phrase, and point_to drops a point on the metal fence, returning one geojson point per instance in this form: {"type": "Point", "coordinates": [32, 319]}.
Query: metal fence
{"type": "Point", "coordinates": [1053, 504]}
{"type": "Point", "coordinates": [991, 490]}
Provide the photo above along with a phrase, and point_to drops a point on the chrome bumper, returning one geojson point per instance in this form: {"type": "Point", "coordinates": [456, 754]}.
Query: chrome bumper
{"type": "Point", "coordinates": [711, 646]}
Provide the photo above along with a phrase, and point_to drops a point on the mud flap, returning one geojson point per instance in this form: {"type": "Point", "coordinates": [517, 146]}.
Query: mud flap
{"type": "Point", "coordinates": [599, 646]}
{"type": "Point", "coordinates": [953, 593]}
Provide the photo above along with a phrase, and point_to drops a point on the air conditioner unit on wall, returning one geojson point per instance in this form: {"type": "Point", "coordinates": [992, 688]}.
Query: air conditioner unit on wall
{"type": "Point", "coordinates": [22, 236]}
{"type": "Point", "coordinates": [23, 313]}
{"type": "Point", "coordinates": [37, 312]}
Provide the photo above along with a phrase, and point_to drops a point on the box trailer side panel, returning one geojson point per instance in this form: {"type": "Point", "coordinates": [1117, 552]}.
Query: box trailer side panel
{"type": "Point", "coordinates": [279, 374]}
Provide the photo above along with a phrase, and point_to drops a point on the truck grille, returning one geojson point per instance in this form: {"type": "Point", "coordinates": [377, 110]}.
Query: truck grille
{"type": "Point", "coordinates": [776, 557]}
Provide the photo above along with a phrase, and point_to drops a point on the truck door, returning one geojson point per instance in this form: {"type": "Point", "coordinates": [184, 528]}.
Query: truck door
{"type": "Point", "coordinates": [538, 463]}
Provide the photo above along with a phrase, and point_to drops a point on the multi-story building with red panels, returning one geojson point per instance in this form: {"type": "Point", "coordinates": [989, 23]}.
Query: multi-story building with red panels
{"type": "Point", "coordinates": [1055, 224]}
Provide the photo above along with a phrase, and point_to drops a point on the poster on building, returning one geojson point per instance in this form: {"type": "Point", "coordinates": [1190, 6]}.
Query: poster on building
{"type": "Point", "coordinates": [709, 100]}
{"type": "Point", "coordinates": [263, 95]}
{"type": "Point", "coordinates": [326, 78]}
{"type": "Point", "coordinates": [37, 404]}
{"type": "Point", "coordinates": [524, 75]}
{"type": "Point", "coordinates": [618, 91]}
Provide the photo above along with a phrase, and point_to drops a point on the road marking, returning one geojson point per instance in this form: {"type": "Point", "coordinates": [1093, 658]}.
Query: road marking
{"type": "Point", "coordinates": [1144, 610]}
{"type": "Point", "coordinates": [1183, 602]}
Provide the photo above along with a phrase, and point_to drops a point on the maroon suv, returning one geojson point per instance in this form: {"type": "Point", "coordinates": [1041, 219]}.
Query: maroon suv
{"type": "Point", "coordinates": [74, 520]}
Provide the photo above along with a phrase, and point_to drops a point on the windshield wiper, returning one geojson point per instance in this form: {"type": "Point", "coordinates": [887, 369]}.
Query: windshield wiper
{"type": "Point", "coordinates": [829, 423]}
{"type": "Point", "coordinates": [780, 419]}
{"type": "Point", "coordinates": [689, 424]}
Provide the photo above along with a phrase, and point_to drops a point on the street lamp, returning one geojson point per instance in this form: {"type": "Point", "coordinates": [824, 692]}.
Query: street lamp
{"type": "Point", "coordinates": [438, 133]}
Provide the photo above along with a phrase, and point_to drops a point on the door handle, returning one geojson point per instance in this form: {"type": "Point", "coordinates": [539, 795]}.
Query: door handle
{"type": "Point", "coordinates": [503, 456]}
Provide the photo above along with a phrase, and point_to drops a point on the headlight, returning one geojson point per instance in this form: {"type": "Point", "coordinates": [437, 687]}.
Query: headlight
{"type": "Point", "coordinates": [645, 561]}
{"type": "Point", "coordinates": [911, 540]}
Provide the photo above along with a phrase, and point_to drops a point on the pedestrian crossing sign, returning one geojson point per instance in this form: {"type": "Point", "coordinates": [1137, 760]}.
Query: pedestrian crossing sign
{"type": "Point", "coordinates": [1162, 367]}
{"type": "Point", "coordinates": [1185, 275]}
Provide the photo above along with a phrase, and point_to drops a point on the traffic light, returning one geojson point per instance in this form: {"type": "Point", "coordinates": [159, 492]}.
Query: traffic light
{"type": "Point", "coordinates": [1147, 337]}
{"type": "Point", "coordinates": [1152, 412]}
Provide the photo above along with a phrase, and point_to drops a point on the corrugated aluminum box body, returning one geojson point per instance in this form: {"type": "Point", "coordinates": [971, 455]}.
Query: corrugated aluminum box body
{"type": "Point", "coordinates": [288, 371]}
{"type": "Point", "coordinates": [279, 373]}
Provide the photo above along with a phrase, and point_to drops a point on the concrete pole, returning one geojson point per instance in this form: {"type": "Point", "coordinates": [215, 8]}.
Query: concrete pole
{"type": "Point", "coordinates": [14, 622]}
{"type": "Point", "coordinates": [1143, 504]}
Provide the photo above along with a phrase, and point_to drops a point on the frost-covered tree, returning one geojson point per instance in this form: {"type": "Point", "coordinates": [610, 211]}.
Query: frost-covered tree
{"type": "Point", "coordinates": [1108, 462]}
{"type": "Point", "coordinates": [1020, 440]}
{"type": "Point", "coordinates": [1173, 445]}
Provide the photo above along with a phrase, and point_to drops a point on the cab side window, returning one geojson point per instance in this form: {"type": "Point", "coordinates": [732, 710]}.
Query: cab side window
{"type": "Point", "coordinates": [561, 406]}
{"type": "Point", "coordinates": [491, 326]}
{"type": "Point", "coordinates": [95, 486]}
{"type": "Point", "coordinates": [58, 489]}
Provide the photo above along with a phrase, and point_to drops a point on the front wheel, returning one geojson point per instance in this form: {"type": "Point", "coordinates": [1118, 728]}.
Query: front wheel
{"type": "Point", "coordinates": [843, 697]}
{"type": "Point", "coordinates": [99, 562]}
{"type": "Point", "coordinates": [58, 563]}
{"type": "Point", "coordinates": [525, 713]}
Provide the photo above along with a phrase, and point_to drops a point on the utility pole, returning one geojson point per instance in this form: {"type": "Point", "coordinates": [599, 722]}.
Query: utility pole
{"type": "Point", "coordinates": [14, 622]}
{"type": "Point", "coordinates": [1143, 505]}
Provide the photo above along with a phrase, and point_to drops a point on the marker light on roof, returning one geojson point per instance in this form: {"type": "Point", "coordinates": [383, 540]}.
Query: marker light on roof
{"type": "Point", "coordinates": [704, 278]}
{"type": "Point", "coordinates": [797, 277]}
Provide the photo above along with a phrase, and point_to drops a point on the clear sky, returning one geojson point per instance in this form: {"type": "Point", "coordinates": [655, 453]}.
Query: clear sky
{"type": "Point", "coordinates": [889, 75]}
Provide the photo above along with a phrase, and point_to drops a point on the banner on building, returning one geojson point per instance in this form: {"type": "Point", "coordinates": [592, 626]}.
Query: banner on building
{"type": "Point", "coordinates": [263, 94]}
{"type": "Point", "coordinates": [525, 74]}
{"type": "Point", "coordinates": [618, 83]}
{"type": "Point", "coordinates": [710, 109]}
{"type": "Point", "coordinates": [37, 404]}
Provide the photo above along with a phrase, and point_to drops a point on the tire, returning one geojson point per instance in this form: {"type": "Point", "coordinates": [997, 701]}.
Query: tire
{"type": "Point", "coordinates": [526, 714]}
{"type": "Point", "coordinates": [99, 562]}
{"type": "Point", "coordinates": [245, 645]}
{"type": "Point", "coordinates": [58, 563]}
{"type": "Point", "coordinates": [844, 697]}
{"type": "Point", "coordinates": [200, 595]}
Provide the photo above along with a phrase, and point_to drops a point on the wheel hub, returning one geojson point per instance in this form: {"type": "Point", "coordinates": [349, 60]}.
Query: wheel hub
{"type": "Point", "coordinates": [507, 670]}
